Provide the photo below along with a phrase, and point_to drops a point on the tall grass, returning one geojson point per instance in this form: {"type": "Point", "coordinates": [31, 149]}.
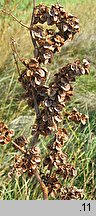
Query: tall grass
{"type": "Point", "coordinates": [81, 147]}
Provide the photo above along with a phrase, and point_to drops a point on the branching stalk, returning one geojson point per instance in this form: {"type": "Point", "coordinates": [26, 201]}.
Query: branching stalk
{"type": "Point", "coordinates": [19, 148]}
{"type": "Point", "coordinates": [14, 54]}
{"type": "Point", "coordinates": [31, 26]}
{"type": "Point", "coordinates": [35, 139]}
{"type": "Point", "coordinates": [15, 18]}
{"type": "Point", "coordinates": [34, 94]}
{"type": "Point", "coordinates": [43, 186]}
{"type": "Point", "coordinates": [35, 55]}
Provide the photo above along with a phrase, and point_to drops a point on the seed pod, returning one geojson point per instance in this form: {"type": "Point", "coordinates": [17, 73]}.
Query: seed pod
{"type": "Point", "coordinates": [5, 134]}
{"type": "Point", "coordinates": [21, 141]}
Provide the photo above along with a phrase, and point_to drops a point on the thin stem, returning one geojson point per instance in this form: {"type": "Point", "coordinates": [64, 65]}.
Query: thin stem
{"type": "Point", "coordinates": [22, 150]}
{"type": "Point", "coordinates": [15, 18]}
{"type": "Point", "coordinates": [43, 186]}
{"type": "Point", "coordinates": [35, 139]}
{"type": "Point", "coordinates": [34, 94]}
{"type": "Point", "coordinates": [34, 3]}
{"type": "Point", "coordinates": [14, 48]}
{"type": "Point", "coordinates": [32, 18]}
{"type": "Point", "coordinates": [35, 55]}
{"type": "Point", "coordinates": [14, 54]}
{"type": "Point", "coordinates": [31, 27]}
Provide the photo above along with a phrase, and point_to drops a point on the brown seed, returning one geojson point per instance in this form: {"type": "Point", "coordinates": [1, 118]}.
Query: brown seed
{"type": "Point", "coordinates": [38, 81]}
{"type": "Point", "coordinates": [65, 87]}
{"type": "Point", "coordinates": [58, 118]}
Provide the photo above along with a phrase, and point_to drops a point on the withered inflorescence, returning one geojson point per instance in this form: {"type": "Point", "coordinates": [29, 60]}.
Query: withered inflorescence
{"type": "Point", "coordinates": [48, 102]}
{"type": "Point", "coordinates": [33, 76]}
{"type": "Point", "coordinates": [57, 166]}
{"type": "Point", "coordinates": [50, 41]}
{"type": "Point", "coordinates": [76, 116]}
{"type": "Point", "coordinates": [5, 134]}
{"type": "Point", "coordinates": [59, 92]}
{"type": "Point", "coordinates": [26, 162]}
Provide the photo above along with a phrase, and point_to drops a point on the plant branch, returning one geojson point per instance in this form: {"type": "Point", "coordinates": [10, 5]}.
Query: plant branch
{"type": "Point", "coordinates": [14, 54]}
{"type": "Point", "coordinates": [34, 3]}
{"type": "Point", "coordinates": [35, 55]}
{"type": "Point", "coordinates": [32, 18]}
{"type": "Point", "coordinates": [35, 101]}
{"type": "Point", "coordinates": [35, 139]}
{"type": "Point", "coordinates": [15, 18]}
{"type": "Point", "coordinates": [31, 26]}
{"type": "Point", "coordinates": [22, 150]}
{"type": "Point", "coordinates": [43, 186]}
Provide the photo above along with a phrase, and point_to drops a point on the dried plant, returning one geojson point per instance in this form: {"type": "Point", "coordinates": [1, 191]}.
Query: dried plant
{"type": "Point", "coordinates": [48, 102]}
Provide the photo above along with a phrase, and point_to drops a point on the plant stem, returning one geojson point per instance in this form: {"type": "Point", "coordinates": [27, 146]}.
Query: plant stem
{"type": "Point", "coordinates": [22, 150]}
{"type": "Point", "coordinates": [34, 94]}
{"type": "Point", "coordinates": [31, 26]}
{"type": "Point", "coordinates": [43, 186]}
{"type": "Point", "coordinates": [35, 139]}
{"type": "Point", "coordinates": [32, 18]}
{"type": "Point", "coordinates": [14, 54]}
{"type": "Point", "coordinates": [15, 18]}
{"type": "Point", "coordinates": [35, 55]}
{"type": "Point", "coordinates": [34, 3]}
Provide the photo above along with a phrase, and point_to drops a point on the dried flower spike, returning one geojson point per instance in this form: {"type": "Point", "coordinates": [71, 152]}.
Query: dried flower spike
{"type": "Point", "coordinates": [48, 102]}
{"type": "Point", "coordinates": [49, 42]}
{"type": "Point", "coordinates": [76, 116]}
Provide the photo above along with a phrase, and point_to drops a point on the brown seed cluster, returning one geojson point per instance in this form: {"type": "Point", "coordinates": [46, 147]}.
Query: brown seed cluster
{"type": "Point", "coordinates": [33, 76]}
{"type": "Point", "coordinates": [40, 13]}
{"type": "Point", "coordinates": [50, 41]}
{"type": "Point", "coordinates": [57, 165]}
{"type": "Point", "coordinates": [21, 141]}
{"type": "Point", "coordinates": [53, 99]}
{"type": "Point", "coordinates": [5, 134]}
{"type": "Point", "coordinates": [59, 92]}
{"type": "Point", "coordinates": [26, 163]}
{"type": "Point", "coordinates": [56, 190]}
{"type": "Point", "coordinates": [72, 193]}
{"type": "Point", "coordinates": [76, 116]}
{"type": "Point", "coordinates": [61, 26]}
{"type": "Point", "coordinates": [53, 185]}
{"type": "Point", "coordinates": [56, 158]}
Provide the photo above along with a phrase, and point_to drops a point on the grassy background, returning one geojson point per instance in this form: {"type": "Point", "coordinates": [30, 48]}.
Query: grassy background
{"type": "Point", "coordinates": [81, 147]}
